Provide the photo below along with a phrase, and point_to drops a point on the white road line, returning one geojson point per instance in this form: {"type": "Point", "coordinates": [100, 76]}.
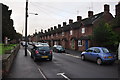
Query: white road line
{"type": "Point", "coordinates": [38, 68]}
{"type": "Point", "coordinates": [73, 56]}
{"type": "Point", "coordinates": [42, 74]}
{"type": "Point", "coordinates": [63, 75]}
{"type": "Point", "coordinates": [29, 52]}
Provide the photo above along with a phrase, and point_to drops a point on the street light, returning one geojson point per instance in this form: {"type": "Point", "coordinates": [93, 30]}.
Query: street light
{"type": "Point", "coordinates": [26, 17]}
{"type": "Point", "coordinates": [33, 13]}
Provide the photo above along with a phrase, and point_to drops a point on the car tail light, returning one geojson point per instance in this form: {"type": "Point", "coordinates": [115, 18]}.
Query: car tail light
{"type": "Point", "coordinates": [50, 51]}
{"type": "Point", "coordinates": [36, 51]}
{"type": "Point", "coordinates": [105, 57]}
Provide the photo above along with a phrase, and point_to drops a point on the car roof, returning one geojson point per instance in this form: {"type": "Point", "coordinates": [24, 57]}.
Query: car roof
{"type": "Point", "coordinates": [97, 47]}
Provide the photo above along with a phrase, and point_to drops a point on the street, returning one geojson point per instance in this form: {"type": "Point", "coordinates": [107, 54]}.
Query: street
{"type": "Point", "coordinates": [73, 67]}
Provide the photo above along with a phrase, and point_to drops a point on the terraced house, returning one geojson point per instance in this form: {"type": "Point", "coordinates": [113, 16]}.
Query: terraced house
{"type": "Point", "coordinates": [75, 35]}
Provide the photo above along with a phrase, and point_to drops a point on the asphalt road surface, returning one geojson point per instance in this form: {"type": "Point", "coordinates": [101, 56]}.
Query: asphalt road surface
{"type": "Point", "coordinates": [69, 66]}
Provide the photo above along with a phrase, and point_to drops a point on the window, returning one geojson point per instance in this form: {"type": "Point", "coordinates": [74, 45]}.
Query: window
{"type": "Point", "coordinates": [79, 42]}
{"type": "Point", "coordinates": [83, 30]}
{"type": "Point", "coordinates": [62, 33]}
{"type": "Point", "coordinates": [52, 35]}
{"type": "Point", "coordinates": [71, 32]}
{"type": "Point", "coordinates": [56, 35]}
{"type": "Point", "coordinates": [96, 50]}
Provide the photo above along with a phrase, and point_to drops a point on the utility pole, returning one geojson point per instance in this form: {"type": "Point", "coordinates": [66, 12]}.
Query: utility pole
{"type": "Point", "coordinates": [26, 16]}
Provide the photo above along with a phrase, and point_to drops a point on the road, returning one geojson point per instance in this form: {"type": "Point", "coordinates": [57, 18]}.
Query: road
{"type": "Point", "coordinates": [69, 66]}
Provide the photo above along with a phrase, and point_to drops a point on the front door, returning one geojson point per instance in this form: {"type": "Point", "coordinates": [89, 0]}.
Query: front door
{"type": "Point", "coordinates": [86, 44]}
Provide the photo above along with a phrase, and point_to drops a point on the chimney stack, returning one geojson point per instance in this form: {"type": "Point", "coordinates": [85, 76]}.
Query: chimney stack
{"type": "Point", "coordinates": [90, 13]}
{"type": "Point", "coordinates": [106, 8]}
{"type": "Point", "coordinates": [55, 27]}
{"type": "Point", "coordinates": [117, 10]}
{"type": "Point", "coordinates": [59, 25]}
{"type": "Point", "coordinates": [64, 23]}
{"type": "Point", "coordinates": [48, 30]}
{"type": "Point", "coordinates": [41, 30]}
{"type": "Point", "coordinates": [45, 31]}
{"type": "Point", "coordinates": [79, 18]}
{"type": "Point", "coordinates": [51, 28]}
{"type": "Point", "coordinates": [70, 21]}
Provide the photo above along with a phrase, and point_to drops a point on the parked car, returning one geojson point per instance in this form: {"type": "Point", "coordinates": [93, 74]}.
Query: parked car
{"type": "Point", "coordinates": [99, 54]}
{"type": "Point", "coordinates": [41, 52]}
{"type": "Point", "coordinates": [44, 44]}
{"type": "Point", "coordinates": [58, 48]}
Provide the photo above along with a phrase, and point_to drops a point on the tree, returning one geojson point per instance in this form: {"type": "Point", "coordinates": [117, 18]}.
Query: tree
{"type": "Point", "coordinates": [103, 35]}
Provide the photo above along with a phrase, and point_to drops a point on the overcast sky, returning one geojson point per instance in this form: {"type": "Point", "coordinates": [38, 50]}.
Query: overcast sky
{"type": "Point", "coordinates": [53, 12]}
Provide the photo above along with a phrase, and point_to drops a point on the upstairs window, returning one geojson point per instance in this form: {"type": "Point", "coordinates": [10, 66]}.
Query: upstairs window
{"type": "Point", "coordinates": [71, 32]}
{"type": "Point", "coordinates": [56, 35]}
{"type": "Point", "coordinates": [62, 33]}
{"type": "Point", "coordinates": [83, 30]}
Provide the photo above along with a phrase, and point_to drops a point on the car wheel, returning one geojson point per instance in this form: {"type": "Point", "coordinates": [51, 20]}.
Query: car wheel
{"type": "Point", "coordinates": [34, 58]}
{"type": "Point", "coordinates": [83, 57]}
{"type": "Point", "coordinates": [99, 61]}
{"type": "Point", "coordinates": [50, 59]}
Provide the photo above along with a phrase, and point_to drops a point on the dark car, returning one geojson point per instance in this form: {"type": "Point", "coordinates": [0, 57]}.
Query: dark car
{"type": "Point", "coordinates": [58, 48]}
{"type": "Point", "coordinates": [98, 54]}
{"type": "Point", "coordinates": [41, 52]}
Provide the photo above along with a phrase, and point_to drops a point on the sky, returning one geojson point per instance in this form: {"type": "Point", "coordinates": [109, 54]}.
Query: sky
{"type": "Point", "coordinates": [53, 12]}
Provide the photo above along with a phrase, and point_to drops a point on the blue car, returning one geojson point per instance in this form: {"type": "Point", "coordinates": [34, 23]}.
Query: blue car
{"type": "Point", "coordinates": [99, 54]}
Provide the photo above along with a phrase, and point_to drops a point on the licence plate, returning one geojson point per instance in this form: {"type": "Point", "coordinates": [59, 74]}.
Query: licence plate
{"type": "Point", "coordinates": [110, 57]}
{"type": "Point", "coordinates": [44, 56]}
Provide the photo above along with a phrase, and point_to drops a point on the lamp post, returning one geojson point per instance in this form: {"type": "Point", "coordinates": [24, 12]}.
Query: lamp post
{"type": "Point", "coordinates": [26, 16]}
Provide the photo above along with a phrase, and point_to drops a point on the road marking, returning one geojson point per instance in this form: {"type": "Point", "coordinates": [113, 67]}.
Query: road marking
{"type": "Point", "coordinates": [29, 52]}
{"type": "Point", "coordinates": [40, 71]}
{"type": "Point", "coordinates": [63, 75]}
{"type": "Point", "coordinates": [73, 56]}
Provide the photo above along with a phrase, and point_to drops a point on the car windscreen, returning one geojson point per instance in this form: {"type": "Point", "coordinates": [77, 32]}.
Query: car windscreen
{"type": "Point", "coordinates": [105, 50]}
{"type": "Point", "coordinates": [43, 48]}
{"type": "Point", "coordinates": [59, 47]}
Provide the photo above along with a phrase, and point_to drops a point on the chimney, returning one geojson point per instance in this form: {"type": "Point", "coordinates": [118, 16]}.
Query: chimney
{"type": "Point", "coordinates": [48, 30]}
{"type": "Point", "coordinates": [45, 31]}
{"type": "Point", "coordinates": [51, 28]}
{"type": "Point", "coordinates": [59, 25]}
{"type": "Point", "coordinates": [41, 30]}
{"type": "Point", "coordinates": [106, 8]}
{"type": "Point", "coordinates": [79, 18]}
{"type": "Point", "coordinates": [117, 10]}
{"type": "Point", "coordinates": [90, 13]}
{"type": "Point", "coordinates": [55, 27]}
{"type": "Point", "coordinates": [64, 23]}
{"type": "Point", "coordinates": [70, 21]}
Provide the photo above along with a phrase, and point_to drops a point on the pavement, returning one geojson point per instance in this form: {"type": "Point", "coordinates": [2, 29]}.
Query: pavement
{"type": "Point", "coordinates": [23, 67]}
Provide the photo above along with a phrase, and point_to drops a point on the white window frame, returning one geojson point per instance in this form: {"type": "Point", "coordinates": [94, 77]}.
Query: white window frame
{"type": "Point", "coordinates": [79, 42]}
{"type": "Point", "coordinates": [62, 33]}
{"type": "Point", "coordinates": [83, 30]}
{"type": "Point", "coordinates": [71, 32]}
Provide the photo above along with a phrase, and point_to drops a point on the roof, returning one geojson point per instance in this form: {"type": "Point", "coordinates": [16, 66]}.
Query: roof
{"type": "Point", "coordinates": [76, 25]}
{"type": "Point", "coordinates": [92, 19]}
